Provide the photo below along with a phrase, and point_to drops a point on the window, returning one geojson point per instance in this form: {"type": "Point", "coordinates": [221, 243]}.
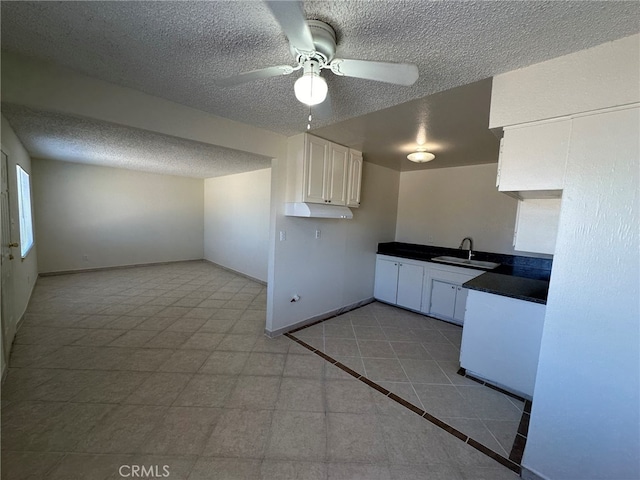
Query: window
{"type": "Point", "coordinates": [24, 210]}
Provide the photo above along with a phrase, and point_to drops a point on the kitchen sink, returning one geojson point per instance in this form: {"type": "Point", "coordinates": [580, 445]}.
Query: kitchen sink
{"type": "Point", "coordinates": [466, 263]}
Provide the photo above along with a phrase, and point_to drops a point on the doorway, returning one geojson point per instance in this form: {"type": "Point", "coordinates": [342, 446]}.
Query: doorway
{"type": "Point", "coordinates": [6, 265]}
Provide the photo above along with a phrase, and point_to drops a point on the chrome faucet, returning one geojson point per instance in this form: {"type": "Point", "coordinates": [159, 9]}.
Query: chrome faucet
{"type": "Point", "coordinates": [470, 246]}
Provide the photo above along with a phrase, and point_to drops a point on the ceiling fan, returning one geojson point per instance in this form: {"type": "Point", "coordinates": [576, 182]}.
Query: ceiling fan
{"type": "Point", "coordinates": [313, 45]}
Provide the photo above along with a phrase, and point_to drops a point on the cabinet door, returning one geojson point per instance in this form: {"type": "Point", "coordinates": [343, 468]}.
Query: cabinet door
{"type": "Point", "coordinates": [410, 286]}
{"type": "Point", "coordinates": [316, 165]}
{"type": "Point", "coordinates": [337, 175]}
{"type": "Point", "coordinates": [534, 157]}
{"type": "Point", "coordinates": [386, 282]}
{"type": "Point", "coordinates": [443, 299]}
{"type": "Point", "coordinates": [354, 178]}
{"type": "Point", "coordinates": [460, 304]}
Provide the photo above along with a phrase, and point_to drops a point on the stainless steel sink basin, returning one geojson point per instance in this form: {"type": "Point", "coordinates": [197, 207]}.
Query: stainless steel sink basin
{"type": "Point", "coordinates": [463, 262]}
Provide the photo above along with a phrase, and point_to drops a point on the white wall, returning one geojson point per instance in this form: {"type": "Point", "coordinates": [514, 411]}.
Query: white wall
{"type": "Point", "coordinates": [236, 222]}
{"type": "Point", "coordinates": [114, 216]}
{"type": "Point", "coordinates": [442, 206]}
{"type": "Point", "coordinates": [294, 265]}
{"type": "Point", "coordinates": [23, 272]}
{"type": "Point", "coordinates": [584, 81]}
{"type": "Point", "coordinates": [587, 395]}
{"type": "Point", "coordinates": [585, 416]}
{"type": "Point", "coordinates": [337, 269]}
{"type": "Point", "coordinates": [41, 85]}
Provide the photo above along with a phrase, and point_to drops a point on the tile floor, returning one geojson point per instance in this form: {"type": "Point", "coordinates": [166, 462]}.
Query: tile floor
{"type": "Point", "coordinates": [417, 358]}
{"type": "Point", "coordinates": [168, 365]}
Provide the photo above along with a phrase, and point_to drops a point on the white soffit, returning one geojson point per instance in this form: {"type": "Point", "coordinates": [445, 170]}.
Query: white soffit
{"type": "Point", "coordinates": [55, 136]}
{"type": "Point", "coordinates": [175, 50]}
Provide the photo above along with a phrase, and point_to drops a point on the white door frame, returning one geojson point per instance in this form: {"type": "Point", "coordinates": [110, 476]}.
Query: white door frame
{"type": "Point", "coordinates": [6, 264]}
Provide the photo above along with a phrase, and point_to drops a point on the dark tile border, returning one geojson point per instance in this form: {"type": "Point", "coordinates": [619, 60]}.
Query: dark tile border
{"type": "Point", "coordinates": [507, 462]}
{"type": "Point", "coordinates": [463, 372]}
{"type": "Point", "coordinates": [517, 449]}
{"type": "Point", "coordinates": [305, 326]}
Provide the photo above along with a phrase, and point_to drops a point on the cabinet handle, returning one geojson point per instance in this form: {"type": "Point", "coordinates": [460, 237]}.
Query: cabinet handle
{"type": "Point", "coordinates": [452, 286]}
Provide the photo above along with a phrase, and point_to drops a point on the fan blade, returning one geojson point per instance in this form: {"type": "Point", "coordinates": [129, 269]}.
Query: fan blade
{"type": "Point", "coordinates": [254, 75]}
{"type": "Point", "coordinates": [397, 73]}
{"type": "Point", "coordinates": [290, 16]}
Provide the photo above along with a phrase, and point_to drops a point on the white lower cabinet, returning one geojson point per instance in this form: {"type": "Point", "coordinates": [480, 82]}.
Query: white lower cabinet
{"type": "Point", "coordinates": [443, 298]}
{"type": "Point", "coordinates": [448, 300]}
{"type": "Point", "coordinates": [399, 282]}
{"type": "Point", "coordinates": [386, 283]}
{"type": "Point", "coordinates": [432, 289]}
{"type": "Point", "coordinates": [410, 286]}
{"type": "Point", "coordinates": [443, 295]}
{"type": "Point", "coordinates": [461, 304]}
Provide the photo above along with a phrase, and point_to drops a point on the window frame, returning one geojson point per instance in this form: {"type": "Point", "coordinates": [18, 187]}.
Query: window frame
{"type": "Point", "coordinates": [25, 211]}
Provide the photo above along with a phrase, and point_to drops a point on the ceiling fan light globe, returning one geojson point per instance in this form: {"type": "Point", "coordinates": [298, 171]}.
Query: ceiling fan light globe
{"type": "Point", "coordinates": [421, 157]}
{"type": "Point", "coordinates": [311, 89]}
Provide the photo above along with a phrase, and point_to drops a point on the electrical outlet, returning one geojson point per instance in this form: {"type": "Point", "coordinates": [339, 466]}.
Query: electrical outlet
{"type": "Point", "coordinates": [85, 257]}
{"type": "Point", "coordinates": [283, 235]}
{"type": "Point", "coordinates": [318, 233]}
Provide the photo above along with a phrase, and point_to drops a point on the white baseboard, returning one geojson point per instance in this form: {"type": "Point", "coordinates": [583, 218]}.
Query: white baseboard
{"type": "Point", "coordinates": [528, 474]}
{"type": "Point", "coordinates": [115, 267]}
{"type": "Point", "coordinates": [318, 318]}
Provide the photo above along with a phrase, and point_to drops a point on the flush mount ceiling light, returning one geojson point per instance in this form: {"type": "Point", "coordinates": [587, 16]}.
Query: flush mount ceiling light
{"type": "Point", "coordinates": [421, 155]}
{"type": "Point", "coordinates": [311, 88]}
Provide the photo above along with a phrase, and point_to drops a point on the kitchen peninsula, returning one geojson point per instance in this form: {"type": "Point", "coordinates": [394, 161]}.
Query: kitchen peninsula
{"type": "Point", "coordinates": [501, 310]}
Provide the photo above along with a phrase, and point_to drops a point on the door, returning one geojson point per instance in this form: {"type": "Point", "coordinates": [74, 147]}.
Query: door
{"type": "Point", "coordinates": [443, 299]}
{"type": "Point", "coordinates": [460, 305]}
{"type": "Point", "coordinates": [386, 281]}
{"type": "Point", "coordinates": [337, 174]}
{"type": "Point", "coordinates": [315, 169]}
{"type": "Point", "coordinates": [6, 265]}
{"type": "Point", "coordinates": [410, 286]}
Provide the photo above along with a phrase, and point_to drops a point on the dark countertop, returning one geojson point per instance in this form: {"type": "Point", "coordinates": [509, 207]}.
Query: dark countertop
{"type": "Point", "coordinates": [520, 277]}
{"type": "Point", "coordinates": [521, 288]}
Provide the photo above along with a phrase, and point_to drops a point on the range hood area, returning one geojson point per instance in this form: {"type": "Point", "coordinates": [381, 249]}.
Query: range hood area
{"type": "Point", "coordinates": [316, 210]}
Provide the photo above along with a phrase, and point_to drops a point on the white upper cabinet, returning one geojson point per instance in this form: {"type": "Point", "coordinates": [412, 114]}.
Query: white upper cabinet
{"type": "Point", "coordinates": [336, 175]}
{"type": "Point", "coordinates": [320, 171]}
{"type": "Point", "coordinates": [316, 165]}
{"type": "Point", "coordinates": [533, 159]}
{"type": "Point", "coordinates": [355, 178]}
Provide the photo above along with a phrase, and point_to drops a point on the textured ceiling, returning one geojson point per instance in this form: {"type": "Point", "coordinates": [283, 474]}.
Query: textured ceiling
{"type": "Point", "coordinates": [176, 50]}
{"type": "Point", "coordinates": [74, 139]}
